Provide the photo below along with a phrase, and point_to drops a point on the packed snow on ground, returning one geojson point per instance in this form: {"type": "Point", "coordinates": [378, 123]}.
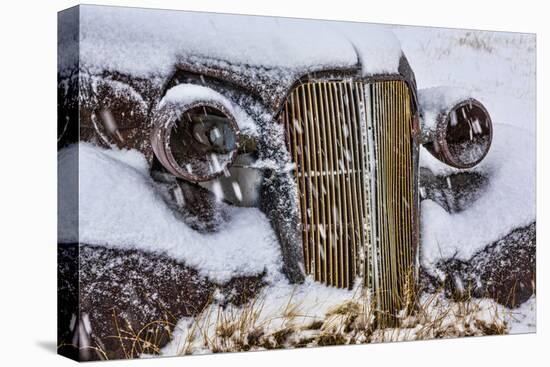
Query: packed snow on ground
{"type": "Point", "coordinates": [499, 70]}
{"type": "Point", "coordinates": [287, 316]}
{"type": "Point", "coordinates": [145, 42]}
{"type": "Point", "coordinates": [523, 319]}
{"type": "Point", "coordinates": [279, 306]}
{"type": "Point", "coordinates": [119, 207]}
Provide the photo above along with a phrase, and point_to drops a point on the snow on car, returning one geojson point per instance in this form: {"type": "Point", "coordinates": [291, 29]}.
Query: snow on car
{"type": "Point", "coordinates": [212, 159]}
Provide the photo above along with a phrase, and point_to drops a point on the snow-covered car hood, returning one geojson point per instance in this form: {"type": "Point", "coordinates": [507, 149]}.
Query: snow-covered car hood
{"type": "Point", "coordinates": [144, 42]}
{"type": "Point", "coordinates": [266, 53]}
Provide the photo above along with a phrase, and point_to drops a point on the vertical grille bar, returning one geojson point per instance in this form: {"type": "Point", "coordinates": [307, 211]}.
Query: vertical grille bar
{"type": "Point", "coordinates": [357, 159]}
{"type": "Point", "coordinates": [345, 192]}
{"type": "Point", "coordinates": [326, 193]}
{"type": "Point", "coordinates": [366, 142]}
{"type": "Point", "coordinates": [332, 184]}
{"type": "Point", "coordinates": [297, 132]}
{"type": "Point", "coordinates": [313, 175]}
{"type": "Point", "coordinates": [307, 158]}
{"type": "Point", "coordinates": [350, 182]}
{"type": "Point", "coordinates": [338, 233]}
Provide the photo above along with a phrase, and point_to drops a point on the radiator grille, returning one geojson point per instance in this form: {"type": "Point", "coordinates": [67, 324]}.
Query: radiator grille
{"type": "Point", "coordinates": [351, 143]}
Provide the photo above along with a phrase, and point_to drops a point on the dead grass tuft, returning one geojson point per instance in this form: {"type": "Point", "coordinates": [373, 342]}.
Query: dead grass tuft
{"type": "Point", "coordinates": [351, 322]}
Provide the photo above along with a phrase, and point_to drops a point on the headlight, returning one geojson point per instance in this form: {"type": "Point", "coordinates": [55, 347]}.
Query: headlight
{"type": "Point", "coordinates": [197, 142]}
{"type": "Point", "coordinates": [463, 134]}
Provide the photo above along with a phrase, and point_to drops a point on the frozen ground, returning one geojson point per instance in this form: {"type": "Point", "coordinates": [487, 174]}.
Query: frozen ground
{"type": "Point", "coordinates": [286, 316]}
{"type": "Point", "coordinates": [524, 318]}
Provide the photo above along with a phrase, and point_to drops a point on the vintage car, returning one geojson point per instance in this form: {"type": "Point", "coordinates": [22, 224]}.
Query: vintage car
{"type": "Point", "coordinates": [317, 124]}
{"type": "Point", "coordinates": [333, 160]}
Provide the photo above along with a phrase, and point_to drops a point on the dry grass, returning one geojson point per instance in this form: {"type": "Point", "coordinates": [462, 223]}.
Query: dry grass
{"type": "Point", "coordinates": [354, 321]}
{"type": "Point", "coordinates": [133, 343]}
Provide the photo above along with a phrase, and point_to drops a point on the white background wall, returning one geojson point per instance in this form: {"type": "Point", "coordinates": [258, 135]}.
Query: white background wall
{"type": "Point", "coordinates": [28, 180]}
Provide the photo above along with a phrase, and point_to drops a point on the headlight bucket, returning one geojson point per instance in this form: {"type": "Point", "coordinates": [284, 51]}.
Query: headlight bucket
{"type": "Point", "coordinates": [196, 142]}
{"type": "Point", "coordinates": [463, 134]}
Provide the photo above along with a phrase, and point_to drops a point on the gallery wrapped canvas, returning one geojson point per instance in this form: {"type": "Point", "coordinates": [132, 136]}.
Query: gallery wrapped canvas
{"type": "Point", "coordinates": [235, 183]}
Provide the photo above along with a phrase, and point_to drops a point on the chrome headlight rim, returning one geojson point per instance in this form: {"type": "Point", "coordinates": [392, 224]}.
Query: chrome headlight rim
{"type": "Point", "coordinates": [440, 145]}
{"type": "Point", "coordinates": [164, 122]}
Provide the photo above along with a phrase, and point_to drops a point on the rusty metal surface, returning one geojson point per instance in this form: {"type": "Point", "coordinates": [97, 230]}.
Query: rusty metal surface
{"type": "Point", "coordinates": [92, 289]}
{"type": "Point", "coordinates": [273, 85]}
{"type": "Point", "coordinates": [271, 88]}
{"type": "Point", "coordinates": [127, 100]}
{"type": "Point", "coordinates": [504, 270]}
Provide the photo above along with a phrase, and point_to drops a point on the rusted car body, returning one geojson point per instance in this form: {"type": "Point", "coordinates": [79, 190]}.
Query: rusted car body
{"type": "Point", "coordinates": [334, 165]}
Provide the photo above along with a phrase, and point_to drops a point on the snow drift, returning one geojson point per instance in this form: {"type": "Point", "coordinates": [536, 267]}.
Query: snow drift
{"type": "Point", "coordinates": [497, 68]}
{"type": "Point", "coordinates": [119, 207]}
